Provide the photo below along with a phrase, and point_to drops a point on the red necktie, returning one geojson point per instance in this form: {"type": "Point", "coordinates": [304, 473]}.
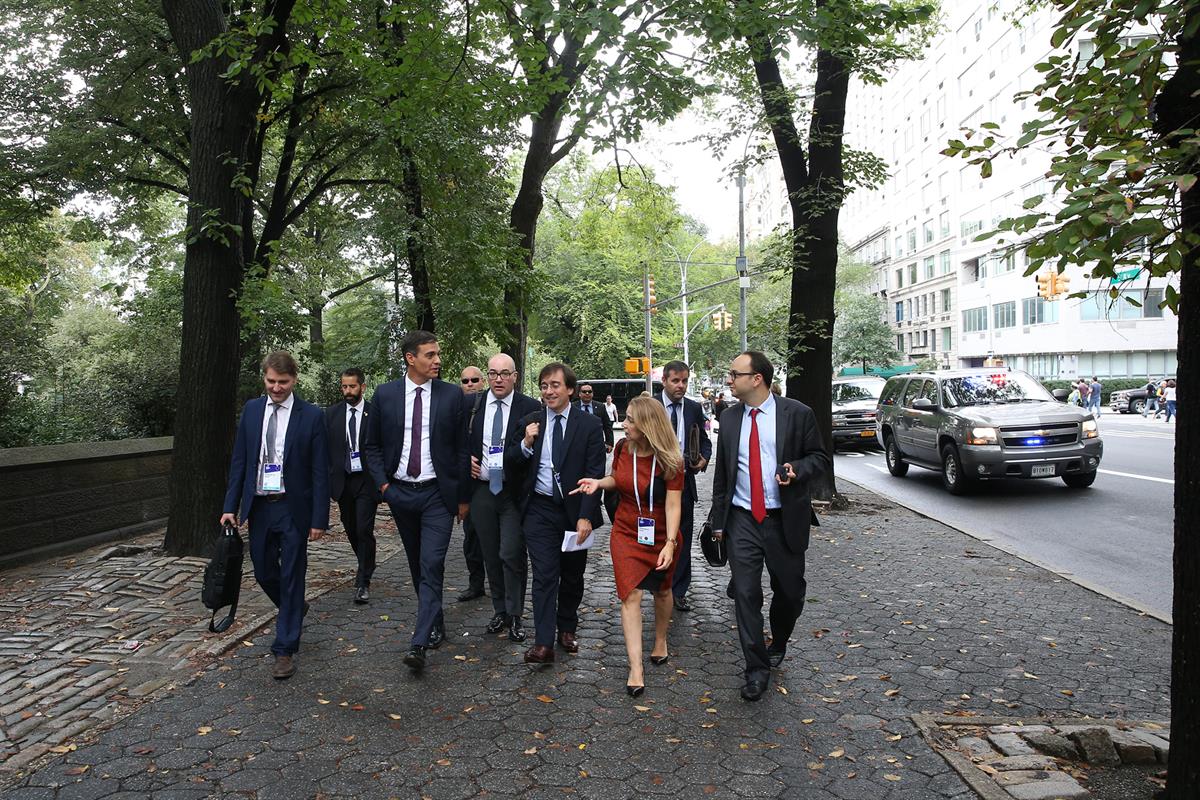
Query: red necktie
{"type": "Point", "coordinates": [758, 497]}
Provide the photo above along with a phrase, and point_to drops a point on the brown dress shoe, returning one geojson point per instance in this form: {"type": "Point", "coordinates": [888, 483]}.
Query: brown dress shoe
{"type": "Point", "coordinates": [539, 654]}
{"type": "Point", "coordinates": [568, 642]}
{"type": "Point", "coordinates": [283, 669]}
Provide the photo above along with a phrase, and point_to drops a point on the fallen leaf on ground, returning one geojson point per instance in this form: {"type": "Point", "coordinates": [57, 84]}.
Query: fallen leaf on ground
{"type": "Point", "coordinates": [837, 753]}
{"type": "Point", "coordinates": [545, 698]}
{"type": "Point", "coordinates": [204, 731]}
{"type": "Point", "coordinates": [890, 777]}
{"type": "Point", "coordinates": [808, 721]}
{"type": "Point", "coordinates": [895, 738]}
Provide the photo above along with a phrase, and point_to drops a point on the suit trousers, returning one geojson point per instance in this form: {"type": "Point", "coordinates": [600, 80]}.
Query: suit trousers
{"type": "Point", "coordinates": [424, 525]}
{"type": "Point", "coordinates": [683, 567]}
{"type": "Point", "coordinates": [357, 507]}
{"type": "Point", "coordinates": [279, 552]}
{"type": "Point", "coordinates": [502, 544]}
{"type": "Point", "coordinates": [750, 545]}
{"type": "Point", "coordinates": [557, 576]}
{"type": "Point", "coordinates": [473, 555]}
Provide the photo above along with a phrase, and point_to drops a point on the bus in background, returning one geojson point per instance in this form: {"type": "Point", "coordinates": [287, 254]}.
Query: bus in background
{"type": "Point", "coordinates": [622, 390]}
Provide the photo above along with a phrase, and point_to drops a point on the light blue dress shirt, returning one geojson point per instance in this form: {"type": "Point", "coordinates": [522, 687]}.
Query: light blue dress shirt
{"type": "Point", "coordinates": [767, 422]}
{"type": "Point", "coordinates": [545, 473]}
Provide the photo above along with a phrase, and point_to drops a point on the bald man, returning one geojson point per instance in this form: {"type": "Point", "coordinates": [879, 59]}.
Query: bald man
{"type": "Point", "coordinates": [497, 520]}
{"type": "Point", "coordinates": [473, 383]}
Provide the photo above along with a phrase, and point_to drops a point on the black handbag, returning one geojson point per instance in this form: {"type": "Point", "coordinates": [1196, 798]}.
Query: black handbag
{"type": "Point", "coordinates": [223, 578]}
{"type": "Point", "coordinates": [715, 552]}
{"type": "Point", "coordinates": [612, 498]}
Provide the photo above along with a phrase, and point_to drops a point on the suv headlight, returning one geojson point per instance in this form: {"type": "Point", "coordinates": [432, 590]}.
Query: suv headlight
{"type": "Point", "coordinates": [983, 436]}
{"type": "Point", "coordinates": [1090, 429]}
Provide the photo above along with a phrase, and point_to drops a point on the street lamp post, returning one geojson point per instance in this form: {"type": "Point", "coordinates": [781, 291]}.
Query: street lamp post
{"type": "Point", "coordinates": [683, 291]}
{"type": "Point", "coordinates": [743, 272]}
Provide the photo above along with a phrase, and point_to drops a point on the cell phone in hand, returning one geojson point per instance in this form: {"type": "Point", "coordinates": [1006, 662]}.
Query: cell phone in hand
{"type": "Point", "coordinates": [781, 472]}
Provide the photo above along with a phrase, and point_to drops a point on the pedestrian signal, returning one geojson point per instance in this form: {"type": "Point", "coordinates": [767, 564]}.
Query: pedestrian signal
{"type": "Point", "coordinates": [718, 320]}
{"type": "Point", "coordinates": [1045, 284]}
{"type": "Point", "coordinates": [650, 297]}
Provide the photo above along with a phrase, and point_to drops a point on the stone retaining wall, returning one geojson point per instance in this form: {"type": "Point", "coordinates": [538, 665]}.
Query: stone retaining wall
{"type": "Point", "coordinates": [70, 496]}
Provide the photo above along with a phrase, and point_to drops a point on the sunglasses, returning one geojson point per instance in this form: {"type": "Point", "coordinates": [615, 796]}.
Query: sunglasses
{"type": "Point", "coordinates": [471, 380]}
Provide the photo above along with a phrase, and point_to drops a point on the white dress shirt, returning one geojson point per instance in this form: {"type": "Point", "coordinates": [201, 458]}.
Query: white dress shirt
{"type": "Point", "coordinates": [667, 403]}
{"type": "Point", "coordinates": [545, 473]}
{"type": "Point", "coordinates": [767, 422]}
{"type": "Point", "coordinates": [358, 421]}
{"type": "Point", "coordinates": [281, 424]}
{"type": "Point", "coordinates": [410, 396]}
{"type": "Point", "coordinates": [489, 415]}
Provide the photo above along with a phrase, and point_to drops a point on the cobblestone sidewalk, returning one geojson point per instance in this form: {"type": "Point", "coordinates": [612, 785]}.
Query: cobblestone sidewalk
{"type": "Point", "coordinates": [905, 616]}
{"type": "Point", "coordinates": [83, 638]}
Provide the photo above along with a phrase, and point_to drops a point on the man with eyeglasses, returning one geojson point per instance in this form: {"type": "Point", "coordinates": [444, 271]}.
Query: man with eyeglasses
{"type": "Point", "coordinates": [495, 418]}
{"type": "Point", "coordinates": [472, 384]}
{"type": "Point", "coordinates": [769, 451]}
{"type": "Point", "coordinates": [587, 402]}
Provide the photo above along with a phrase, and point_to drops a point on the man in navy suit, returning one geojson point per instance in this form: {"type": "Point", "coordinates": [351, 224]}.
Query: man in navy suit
{"type": "Point", "coordinates": [417, 456]}
{"type": "Point", "coordinates": [587, 402]}
{"type": "Point", "coordinates": [350, 486]}
{"type": "Point", "coordinates": [279, 480]}
{"type": "Point", "coordinates": [687, 419]}
{"type": "Point", "coordinates": [553, 449]}
{"type": "Point", "coordinates": [497, 417]}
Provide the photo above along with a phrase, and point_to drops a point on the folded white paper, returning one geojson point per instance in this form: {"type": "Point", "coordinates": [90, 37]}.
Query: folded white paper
{"type": "Point", "coordinates": [571, 541]}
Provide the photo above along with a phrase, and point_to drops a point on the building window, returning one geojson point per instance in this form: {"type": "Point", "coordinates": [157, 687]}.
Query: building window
{"type": "Point", "coordinates": [944, 223]}
{"type": "Point", "coordinates": [945, 258]}
{"type": "Point", "coordinates": [929, 268]}
{"type": "Point", "coordinates": [927, 231]}
{"type": "Point", "coordinates": [1037, 311]}
{"type": "Point", "coordinates": [912, 274]}
{"type": "Point", "coordinates": [1005, 262]}
{"type": "Point", "coordinates": [1101, 305]}
{"type": "Point", "coordinates": [1004, 315]}
{"type": "Point", "coordinates": [899, 245]}
{"type": "Point", "coordinates": [908, 309]}
{"type": "Point", "coordinates": [912, 239]}
{"type": "Point", "coordinates": [900, 342]}
{"type": "Point", "coordinates": [900, 278]}
{"type": "Point", "coordinates": [899, 311]}
{"type": "Point", "coordinates": [947, 342]}
{"type": "Point", "coordinates": [975, 319]}
{"type": "Point", "coordinates": [945, 299]}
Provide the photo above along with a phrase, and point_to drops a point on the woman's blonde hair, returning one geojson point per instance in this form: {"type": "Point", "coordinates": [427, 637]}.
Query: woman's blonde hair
{"type": "Point", "coordinates": [650, 418]}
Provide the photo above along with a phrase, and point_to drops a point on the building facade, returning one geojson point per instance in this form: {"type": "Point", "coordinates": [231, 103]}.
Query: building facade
{"type": "Point", "coordinates": [951, 298]}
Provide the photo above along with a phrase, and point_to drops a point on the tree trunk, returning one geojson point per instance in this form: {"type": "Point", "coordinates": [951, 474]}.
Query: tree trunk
{"type": "Point", "coordinates": [1176, 108]}
{"type": "Point", "coordinates": [418, 266]}
{"type": "Point", "coordinates": [223, 122]}
{"type": "Point", "coordinates": [316, 330]}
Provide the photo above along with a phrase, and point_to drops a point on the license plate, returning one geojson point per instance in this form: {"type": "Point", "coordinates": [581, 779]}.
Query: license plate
{"type": "Point", "coordinates": [866, 434]}
{"type": "Point", "coordinates": [1043, 471]}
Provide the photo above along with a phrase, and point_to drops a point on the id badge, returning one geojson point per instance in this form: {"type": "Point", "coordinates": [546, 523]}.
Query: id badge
{"type": "Point", "coordinates": [646, 530]}
{"type": "Point", "coordinates": [495, 457]}
{"type": "Point", "coordinates": [355, 461]}
{"type": "Point", "coordinates": [272, 477]}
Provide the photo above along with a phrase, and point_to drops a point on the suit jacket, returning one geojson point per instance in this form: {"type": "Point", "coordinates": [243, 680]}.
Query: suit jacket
{"type": "Point", "coordinates": [584, 457]}
{"type": "Point", "coordinates": [447, 442]}
{"type": "Point", "coordinates": [522, 406]}
{"type": "Point", "coordinates": [693, 427]}
{"type": "Point", "coordinates": [339, 445]}
{"type": "Point", "coordinates": [305, 464]}
{"type": "Point", "coordinates": [797, 442]}
{"type": "Point", "coordinates": [600, 413]}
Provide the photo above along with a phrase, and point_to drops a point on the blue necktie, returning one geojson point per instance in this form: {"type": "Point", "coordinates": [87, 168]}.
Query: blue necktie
{"type": "Point", "coordinates": [496, 475]}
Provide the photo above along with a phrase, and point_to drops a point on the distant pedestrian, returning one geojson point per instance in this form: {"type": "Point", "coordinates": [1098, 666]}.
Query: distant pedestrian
{"type": "Point", "coordinates": [472, 382]}
{"type": "Point", "coordinates": [350, 484]}
{"type": "Point", "coordinates": [1169, 396]}
{"type": "Point", "coordinates": [1162, 397]}
{"type": "Point", "coordinates": [1094, 393]}
{"type": "Point", "coordinates": [1084, 391]}
{"type": "Point", "coordinates": [1151, 402]}
{"type": "Point", "coordinates": [614, 416]}
{"type": "Point", "coordinates": [1075, 398]}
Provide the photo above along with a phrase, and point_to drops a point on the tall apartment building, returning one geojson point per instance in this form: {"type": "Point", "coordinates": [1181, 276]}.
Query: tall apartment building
{"type": "Point", "coordinates": [951, 298]}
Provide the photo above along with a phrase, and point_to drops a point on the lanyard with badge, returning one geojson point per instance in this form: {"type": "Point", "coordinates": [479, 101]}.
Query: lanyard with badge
{"type": "Point", "coordinates": [355, 454]}
{"type": "Point", "coordinates": [645, 525]}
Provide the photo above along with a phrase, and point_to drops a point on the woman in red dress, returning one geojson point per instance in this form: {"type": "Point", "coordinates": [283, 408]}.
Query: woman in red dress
{"type": "Point", "coordinates": [644, 540]}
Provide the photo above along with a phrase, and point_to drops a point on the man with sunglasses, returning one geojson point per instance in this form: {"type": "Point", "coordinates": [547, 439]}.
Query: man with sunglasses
{"type": "Point", "coordinates": [494, 419]}
{"type": "Point", "coordinates": [472, 385]}
{"type": "Point", "coordinates": [587, 402]}
{"type": "Point", "coordinates": [769, 451]}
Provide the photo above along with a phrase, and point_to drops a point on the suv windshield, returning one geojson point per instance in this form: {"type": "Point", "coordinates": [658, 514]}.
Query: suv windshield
{"type": "Point", "coordinates": [849, 392]}
{"type": "Point", "coordinates": [993, 387]}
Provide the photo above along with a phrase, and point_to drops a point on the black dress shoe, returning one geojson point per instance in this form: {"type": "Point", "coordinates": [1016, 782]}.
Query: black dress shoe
{"type": "Point", "coordinates": [436, 637]}
{"type": "Point", "coordinates": [516, 631]}
{"type": "Point", "coordinates": [754, 689]}
{"type": "Point", "coordinates": [415, 658]}
{"type": "Point", "coordinates": [304, 611]}
{"type": "Point", "coordinates": [775, 656]}
{"type": "Point", "coordinates": [496, 623]}
{"type": "Point", "coordinates": [681, 603]}
{"type": "Point", "coordinates": [729, 590]}
{"type": "Point", "coordinates": [470, 594]}
{"type": "Point", "coordinates": [634, 691]}
{"type": "Point", "coordinates": [361, 596]}
{"type": "Point", "coordinates": [568, 642]}
{"type": "Point", "coordinates": [539, 654]}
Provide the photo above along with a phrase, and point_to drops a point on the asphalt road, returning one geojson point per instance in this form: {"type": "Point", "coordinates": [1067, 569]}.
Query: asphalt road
{"type": "Point", "coordinates": [1115, 537]}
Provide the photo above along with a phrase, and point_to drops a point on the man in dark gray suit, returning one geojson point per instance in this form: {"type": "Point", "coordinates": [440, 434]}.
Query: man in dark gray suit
{"type": "Point", "coordinates": [350, 484]}
{"type": "Point", "coordinates": [768, 453]}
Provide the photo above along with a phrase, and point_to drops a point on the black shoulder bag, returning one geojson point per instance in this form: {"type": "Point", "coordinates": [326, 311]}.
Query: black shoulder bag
{"type": "Point", "coordinates": [223, 578]}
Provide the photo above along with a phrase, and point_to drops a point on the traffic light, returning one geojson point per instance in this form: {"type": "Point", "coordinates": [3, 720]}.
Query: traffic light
{"type": "Point", "coordinates": [650, 298]}
{"type": "Point", "coordinates": [637, 365]}
{"type": "Point", "coordinates": [718, 320]}
{"type": "Point", "coordinates": [1062, 285]}
{"type": "Point", "coordinates": [1045, 283]}
{"type": "Point", "coordinates": [728, 319]}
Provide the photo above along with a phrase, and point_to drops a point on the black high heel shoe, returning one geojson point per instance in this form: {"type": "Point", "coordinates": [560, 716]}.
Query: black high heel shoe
{"type": "Point", "coordinates": [634, 691]}
{"type": "Point", "coordinates": [658, 661]}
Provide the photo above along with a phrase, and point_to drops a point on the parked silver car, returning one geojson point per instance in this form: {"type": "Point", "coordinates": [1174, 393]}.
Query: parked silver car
{"type": "Point", "coordinates": [855, 400]}
{"type": "Point", "coordinates": [985, 423]}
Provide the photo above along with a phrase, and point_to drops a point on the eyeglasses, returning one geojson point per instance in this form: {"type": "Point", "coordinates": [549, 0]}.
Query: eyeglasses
{"type": "Point", "coordinates": [471, 380]}
{"type": "Point", "coordinates": [506, 374]}
{"type": "Point", "coordinates": [733, 373]}
{"type": "Point", "coordinates": [585, 391]}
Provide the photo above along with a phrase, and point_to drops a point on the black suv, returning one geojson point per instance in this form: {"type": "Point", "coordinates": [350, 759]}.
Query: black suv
{"type": "Point", "coordinates": [985, 423]}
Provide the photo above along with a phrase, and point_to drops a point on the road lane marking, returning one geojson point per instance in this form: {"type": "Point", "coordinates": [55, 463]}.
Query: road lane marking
{"type": "Point", "coordinates": [876, 466]}
{"type": "Point", "coordinates": [1138, 477]}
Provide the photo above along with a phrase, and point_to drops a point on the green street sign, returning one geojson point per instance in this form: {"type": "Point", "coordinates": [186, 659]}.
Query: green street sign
{"type": "Point", "coordinates": [1127, 274]}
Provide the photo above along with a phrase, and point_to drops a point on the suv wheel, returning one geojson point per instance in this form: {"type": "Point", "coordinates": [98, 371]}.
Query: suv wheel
{"type": "Point", "coordinates": [1080, 480]}
{"type": "Point", "coordinates": [1138, 406]}
{"type": "Point", "coordinates": [953, 477]}
{"type": "Point", "coordinates": [891, 454]}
